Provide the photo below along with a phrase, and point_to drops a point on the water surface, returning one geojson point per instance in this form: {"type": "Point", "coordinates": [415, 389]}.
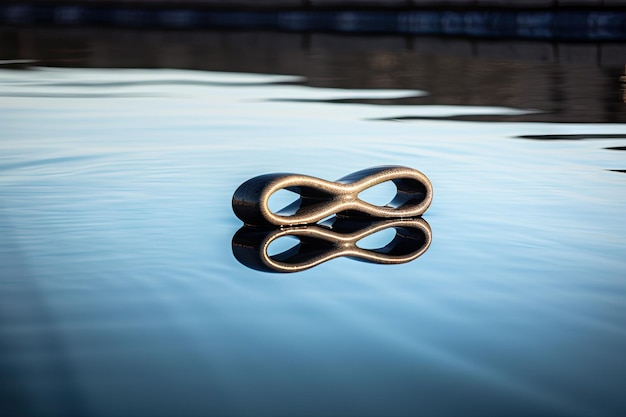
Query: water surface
{"type": "Point", "coordinates": [120, 295]}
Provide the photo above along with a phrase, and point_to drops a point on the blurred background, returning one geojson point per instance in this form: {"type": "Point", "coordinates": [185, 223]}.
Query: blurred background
{"type": "Point", "coordinates": [125, 127]}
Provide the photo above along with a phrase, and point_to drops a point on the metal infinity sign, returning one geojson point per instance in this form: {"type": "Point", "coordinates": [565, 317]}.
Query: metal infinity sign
{"type": "Point", "coordinates": [320, 198]}
{"type": "Point", "coordinates": [352, 219]}
{"type": "Point", "coordinates": [328, 240]}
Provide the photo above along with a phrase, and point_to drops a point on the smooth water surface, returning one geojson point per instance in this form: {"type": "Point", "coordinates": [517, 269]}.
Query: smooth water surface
{"type": "Point", "coordinates": [120, 296]}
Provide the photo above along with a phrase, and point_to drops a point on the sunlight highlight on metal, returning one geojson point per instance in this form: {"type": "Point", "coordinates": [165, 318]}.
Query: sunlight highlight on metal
{"type": "Point", "coordinates": [320, 198]}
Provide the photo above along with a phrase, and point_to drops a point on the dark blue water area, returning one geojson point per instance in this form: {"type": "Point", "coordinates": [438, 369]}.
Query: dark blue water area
{"type": "Point", "coordinates": [120, 295]}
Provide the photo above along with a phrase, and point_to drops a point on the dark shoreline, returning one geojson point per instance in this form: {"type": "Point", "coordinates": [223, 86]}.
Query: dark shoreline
{"type": "Point", "coordinates": [547, 24]}
{"type": "Point", "coordinates": [469, 72]}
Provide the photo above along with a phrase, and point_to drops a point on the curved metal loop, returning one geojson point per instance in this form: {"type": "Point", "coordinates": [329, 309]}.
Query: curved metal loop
{"type": "Point", "coordinates": [328, 240]}
{"type": "Point", "coordinates": [320, 198]}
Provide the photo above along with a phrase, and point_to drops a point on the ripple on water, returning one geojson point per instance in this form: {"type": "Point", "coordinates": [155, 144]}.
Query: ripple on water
{"type": "Point", "coordinates": [116, 231]}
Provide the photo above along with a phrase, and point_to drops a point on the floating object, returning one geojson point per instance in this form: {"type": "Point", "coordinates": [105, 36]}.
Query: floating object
{"type": "Point", "coordinates": [320, 199]}
{"type": "Point", "coordinates": [328, 240]}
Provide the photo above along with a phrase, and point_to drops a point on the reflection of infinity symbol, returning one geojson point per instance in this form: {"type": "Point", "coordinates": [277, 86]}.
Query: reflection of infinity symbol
{"type": "Point", "coordinates": [320, 199]}
{"type": "Point", "coordinates": [328, 240]}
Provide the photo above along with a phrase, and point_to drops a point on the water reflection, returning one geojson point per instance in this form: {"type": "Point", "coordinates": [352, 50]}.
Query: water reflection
{"type": "Point", "coordinates": [583, 137]}
{"type": "Point", "coordinates": [331, 239]}
{"type": "Point", "coordinates": [575, 136]}
{"type": "Point", "coordinates": [564, 82]}
{"type": "Point", "coordinates": [118, 209]}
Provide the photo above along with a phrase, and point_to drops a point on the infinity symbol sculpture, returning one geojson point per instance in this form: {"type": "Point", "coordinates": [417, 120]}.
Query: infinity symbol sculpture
{"type": "Point", "coordinates": [320, 198]}
{"type": "Point", "coordinates": [328, 240]}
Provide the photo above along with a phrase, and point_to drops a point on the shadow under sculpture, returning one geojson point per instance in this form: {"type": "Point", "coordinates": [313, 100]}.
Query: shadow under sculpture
{"type": "Point", "coordinates": [352, 219]}
{"type": "Point", "coordinates": [331, 239]}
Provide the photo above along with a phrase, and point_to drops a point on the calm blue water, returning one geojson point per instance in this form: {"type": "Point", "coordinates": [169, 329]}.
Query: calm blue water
{"type": "Point", "coordinates": [120, 296]}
